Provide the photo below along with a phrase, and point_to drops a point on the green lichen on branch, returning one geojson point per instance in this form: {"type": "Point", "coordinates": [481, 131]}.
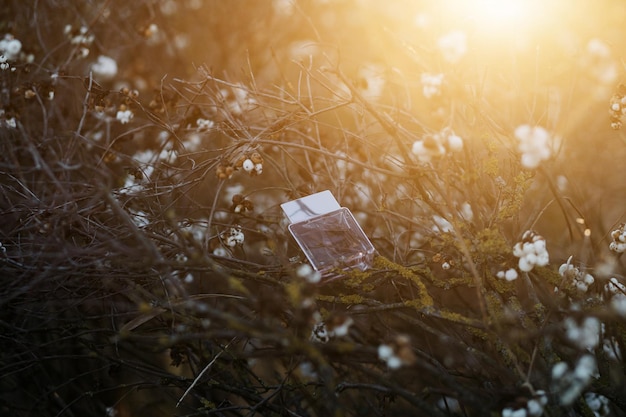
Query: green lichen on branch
{"type": "Point", "coordinates": [425, 300]}
{"type": "Point", "coordinates": [513, 196]}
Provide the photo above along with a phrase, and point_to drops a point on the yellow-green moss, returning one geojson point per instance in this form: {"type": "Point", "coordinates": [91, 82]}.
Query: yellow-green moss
{"type": "Point", "coordinates": [456, 317]}
{"type": "Point", "coordinates": [236, 285]}
{"type": "Point", "coordinates": [494, 305]}
{"type": "Point", "coordinates": [513, 197]}
{"type": "Point", "coordinates": [491, 167]}
{"type": "Point", "coordinates": [348, 299]}
{"type": "Point", "coordinates": [425, 299]}
{"type": "Point", "coordinates": [355, 279]}
{"type": "Point", "coordinates": [491, 242]}
{"type": "Point", "coordinates": [294, 293]}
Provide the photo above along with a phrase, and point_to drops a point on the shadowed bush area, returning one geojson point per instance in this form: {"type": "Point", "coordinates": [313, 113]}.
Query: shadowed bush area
{"type": "Point", "coordinates": [146, 266]}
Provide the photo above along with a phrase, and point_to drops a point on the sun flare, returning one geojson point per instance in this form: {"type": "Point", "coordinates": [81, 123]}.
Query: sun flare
{"type": "Point", "coordinates": [498, 16]}
{"type": "Point", "coordinates": [502, 11]}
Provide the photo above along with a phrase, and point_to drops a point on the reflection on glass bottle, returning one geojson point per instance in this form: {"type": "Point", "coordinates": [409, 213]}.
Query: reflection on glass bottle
{"type": "Point", "coordinates": [330, 240]}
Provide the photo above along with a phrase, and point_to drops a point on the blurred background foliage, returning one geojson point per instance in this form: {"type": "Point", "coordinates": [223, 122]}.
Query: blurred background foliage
{"type": "Point", "coordinates": [124, 130]}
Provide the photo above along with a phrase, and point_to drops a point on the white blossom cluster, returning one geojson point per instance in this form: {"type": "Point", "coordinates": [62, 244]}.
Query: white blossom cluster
{"type": "Point", "coordinates": [617, 291]}
{"type": "Point", "coordinates": [250, 167]}
{"type": "Point", "coordinates": [586, 335]}
{"type": "Point", "coordinates": [5, 121]}
{"type": "Point", "coordinates": [568, 383]}
{"type": "Point", "coordinates": [509, 275]}
{"type": "Point", "coordinates": [598, 403]}
{"type": "Point", "coordinates": [531, 251]}
{"type": "Point", "coordinates": [204, 124]}
{"type": "Point", "coordinates": [611, 348]}
{"type": "Point", "coordinates": [105, 68]}
{"type": "Point", "coordinates": [619, 239]}
{"type": "Point", "coordinates": [398, 353]}
{"type": "Point", "coordinates": [617, 107]}
{"type": "Point", "coordinates": [600, 62]}
{"type": "Point", "coordinates": [239, 102]}
{"type": "Point", "coordinates": [324, 331]}
{"type": "Point", "coordinates": [534, 144]}
{"type": "Point", "coordinates": [431, 84]}
{"type": "Point", "coordinates": [437, 145]}
{"type": "Point", "coordinates": [453, 46]}
{"type": "Point", "coordinates": [124, 115]}
{"type": "Point", "coordinates": [233, 237]}
{"type": "Point", "coordinates": [307, 273]}
{"type": "Point", "coordinates": [373, 79]}
{"type": "Point", "coordinates": [580, 279]}
{"type": "Point", "coordinates": [10, 49]}
{"type": "Point", "coordinates": [534, 407]}
{"type": "Point", "coordinates": [140, 218]}
{"type": "Point", "coordinates": [80, 38]}
{"type": "Point", "coordinates": [146, 161]}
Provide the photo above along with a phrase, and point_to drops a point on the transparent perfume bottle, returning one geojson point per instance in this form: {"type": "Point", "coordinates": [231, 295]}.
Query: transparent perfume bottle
{"type": "Point", "coordinates": [328, 234]}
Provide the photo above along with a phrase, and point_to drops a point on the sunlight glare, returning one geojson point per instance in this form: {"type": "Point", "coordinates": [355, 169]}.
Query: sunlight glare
{"type": "Point", "coordinates": [500, 15]}
{"type": "Point", "coordinates": [502, 10]}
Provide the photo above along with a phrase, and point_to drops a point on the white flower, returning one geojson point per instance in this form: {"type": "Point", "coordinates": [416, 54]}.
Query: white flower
{"type": "Point", "coordinates": [455, 143]}
{"type": "Point", "coordinates": [441, 225]}
{"type": "Point", "coordinates": [220, 251]}
{"type": "Point", "coordinates": [586, 369]}
{"type": "Point", "coordinates": [387, 354]}
{"type": "Point", "coordinates": [4, 65]}
{"type": "Point", "coordinates": [398, 353]}
{"type": "Point", "coordinates": [534, 144]}
{"type": "Point", "coordinates": [320, 333]}
{"type": "Point", "coordinates": [619, 239]}
{"type": "Point", "coordinates": [140, 218]}
{"type": "Point", "coordinates": [204, 124]}
{"type": "Point", "coordinates": [374, 81]}
{"type": "Point", "coordinates": [436, 145]}
{"type": "Point", "coordinates": [426, 149]}
{"type": "Point", "coordinates": [248, 165]}
{"type": "Point", "coordinates": [466, 212]}
{"type": "Point", "coordinates": [306, 272]}
{"type": "Point", "coordinates": [585, 336]}
{"type": "Point", "coordinates": [510, 412]}
{"type": "Point", "coordinates": [559, 370]}
{"type": "Point", "coordinates": [531, 251]}
{"type": "Point", "coordinates": [534, 407]}
{"type": "Point", "coordinates": [105, 68]}
{"type": "Point", "coordinates": [124, 116]}
{"type": "Point", "coordinates": [598, 403]}
{"type": "Point", "coordinates": [615, 287]}
{"type": "Point", "coordinates": [579, 279]}
{"type": "Point", "coordinates": [569, 385]}
{"type": "Point", "coordinates": [509, 274]}
{"type": "Point", "coordinates": [602, 66]}
{"type": "Point", "coordinates": [618, 304]}
{"type": "Point", "coordinates": [453, 46]}
{"type": "Point", "coordinates": [10, 47]}
{"type": "Point", "coordinates": [431, 84]}
{"type": "Point", "coordinates": [342, 327]}
{"type": "Point", "coordinates": [233, 237]}
{"type": "Point", "coordinates": [80, 38]}
{"type": "Point", "coordinates": [598, 48]}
